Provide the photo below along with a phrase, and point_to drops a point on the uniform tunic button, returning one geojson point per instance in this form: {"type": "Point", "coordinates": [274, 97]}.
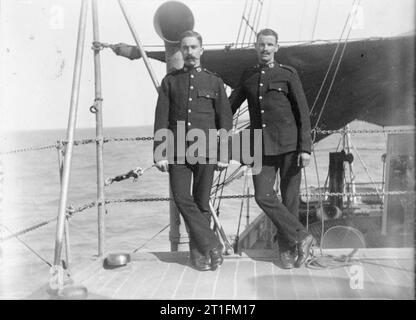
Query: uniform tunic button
{"type": "Point", "coordinates": [189, 110]}
{"type": "Point", "coordinates": [262, 111]}
{"type": "Point", "coordinates": [190, 99]}
{"type": "Point", "coordinates": [192, 75]}
{"type": "Point", "coordinates": [189, 123]}
{"type": "Point", "coordinates": [191, 87]}
{"type": "Point", "coordinates": [207, 95]}
{"type": "Point", "coordinates": [261, 84]}
{"type": "Point", "coordinates": [279, 89]}
{"type": "Point", "coordinates": [264, 125]}
{"type": "Point", "coordinates": [262, 71]}
{"type": "Point", "coordinates": [260, 97]}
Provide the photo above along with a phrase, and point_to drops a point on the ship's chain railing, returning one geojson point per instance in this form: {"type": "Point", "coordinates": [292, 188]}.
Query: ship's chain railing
{"type": "Point", "coordinates": [149, 138]}
{"type": "Point", "coordinates": [27, 149]}
{"type": "Point", "coordinates": [61, 143]}
{"type": "Point", "coordinates": [26, 230]}
{"type": "Point", "coordinates": [71, 210]}
{"type": "Point", "coordinates": [362, 131]}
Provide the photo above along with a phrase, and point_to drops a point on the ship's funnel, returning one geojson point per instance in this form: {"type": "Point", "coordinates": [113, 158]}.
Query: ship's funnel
{"type": "Point", "coordinates": [171, 19]}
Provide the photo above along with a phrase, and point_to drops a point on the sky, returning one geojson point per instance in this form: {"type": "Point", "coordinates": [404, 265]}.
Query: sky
{"type": "Point", "coordinates": [38, 40]}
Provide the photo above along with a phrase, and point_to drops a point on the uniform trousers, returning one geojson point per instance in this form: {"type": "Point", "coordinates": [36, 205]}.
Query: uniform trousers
{"type": "Point", "coordinates": [194, 207]}
{"type": "Point", "coordinates": [284, 214]}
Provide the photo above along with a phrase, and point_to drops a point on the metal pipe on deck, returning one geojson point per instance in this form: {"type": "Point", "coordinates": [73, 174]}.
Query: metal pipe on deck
{"type": "Point", "coordinates": [67, 243]}
{"type": "Point", "coordinates": [99, 134]}
{"type": "Point", "coordinates": [60, 226]}
{"type": "Point", "coordinates": [139, 45]}
{"type": "Point", "coordinates": [61, 156]}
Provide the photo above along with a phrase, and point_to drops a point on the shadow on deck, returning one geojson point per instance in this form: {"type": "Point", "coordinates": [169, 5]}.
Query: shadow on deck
{"type": "Point", "coordinates": [386, 273]}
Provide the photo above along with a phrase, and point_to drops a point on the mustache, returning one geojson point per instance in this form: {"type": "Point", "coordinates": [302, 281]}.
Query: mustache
{"type": "Point", "coordinates": [190, 58]}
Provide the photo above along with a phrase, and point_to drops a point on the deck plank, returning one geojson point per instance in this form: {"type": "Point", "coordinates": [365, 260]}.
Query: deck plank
{"type": "Point", "coordinates": [98, 280]}
{"type": "Point", "coordinates": [169, 283]}
{"type": "Point", "coordinates": [255, 276]}
{"type": "Point", "coordinates": [187, 286]}
{"type": "Point", "coordinates": [134, 280]}
{"type": "Point", "coordinates": [225, 284]}
{"type": "Point", "coordinates": [265, 280]}
{"type": "Point", "coordinates": [282, 289]}
{"type": "Point", "coordinates": [303, 285]}
{"type": "Point", "coordinates": [341, 281]}
{"type": "Point", "coordinates": [406, 267]}
{"type": "Point", "coordinates": [152, 282]}
{"type": "Point", "coordinates": [389, 288]}
{"type": "Point", "coordinates": [245, 284]}
{"type": "Point", "coordinates": [121, 275]}
{"type": "Point", "coordinates": [399, 275]}
{"type": "Point", "coordinates": [320, 282]}
{"type": "Point", "coordinates": [327, 285]}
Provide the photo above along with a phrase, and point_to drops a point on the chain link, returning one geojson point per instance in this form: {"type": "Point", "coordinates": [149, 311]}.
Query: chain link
{"type": "Point", "coordinates": [71, 210]}
{"type": "Point", "coordinates": [76, 143]}
{"type": "Point", "coordinates": [369, 131]}
{"type": "Point", "coordinates": [148, 138]}
{"type": "Point", "coordinates": [32, 228]}
{"type": "Point", "coordinates": [27, 149]}
{"type": "Point", "coordinates": [90, 205]}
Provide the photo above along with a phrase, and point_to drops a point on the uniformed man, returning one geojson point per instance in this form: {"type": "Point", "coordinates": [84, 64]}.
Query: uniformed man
{"type": "Point", "coordinates": [278, 106]}
{"type": "Point", "coordinates": [196, 98]}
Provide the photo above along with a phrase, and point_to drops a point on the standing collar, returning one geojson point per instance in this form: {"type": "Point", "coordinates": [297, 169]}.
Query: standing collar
{"type": "Point", "coordinates": [189, 69]}
{"type": "Point", "coordinates": [269, 65]}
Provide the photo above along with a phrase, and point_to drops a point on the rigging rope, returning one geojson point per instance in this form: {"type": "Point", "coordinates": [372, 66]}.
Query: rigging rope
{"type": "Point", "coordinates": [144, 244]}
{"type": "Point", "coordinates": [237, 238]}
{"type": "Point", "coordinates": [332, 61]}
{"type": "Point", "coordinates": [331, 262]}
{"type": "Point", "coordinates": [27, 246]}
{"type": "Point", "coordinates": [336, 70]}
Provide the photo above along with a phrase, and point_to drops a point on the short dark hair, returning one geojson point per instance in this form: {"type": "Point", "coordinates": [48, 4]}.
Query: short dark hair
{"type": "Point", "coordinates": [190, 33]}
{"type": "Point", "coordinates": [267, 32]}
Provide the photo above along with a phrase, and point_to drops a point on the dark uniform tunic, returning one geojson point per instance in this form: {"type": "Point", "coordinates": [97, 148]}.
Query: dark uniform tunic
{"type": "Point", "coordinates": [197, 97]}
{"type": "Point", "coordinates": [277, 105]}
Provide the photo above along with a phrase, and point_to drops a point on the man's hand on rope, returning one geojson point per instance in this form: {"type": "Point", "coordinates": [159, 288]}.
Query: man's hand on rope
{"type": "Point", "coordinates": [163, 165]}
{"type": "Point", "coordinates": [221, 165]}
{"type": "Point", "coordinates": [303, 159]}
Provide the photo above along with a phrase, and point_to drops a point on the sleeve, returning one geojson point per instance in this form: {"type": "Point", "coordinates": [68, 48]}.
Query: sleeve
{"type": "Point", "coordinates": [162, 112]}
{"type": "Point", "coordinates": [301, 109]}
{"type": "Point", "coordinates": [238, 96]}
{"type": "Point", "coordinates": [224, 120]}
{"type": "Point", "coordinates": [127, 51]}
{"type": "Point", "coordinates": [223, 114]}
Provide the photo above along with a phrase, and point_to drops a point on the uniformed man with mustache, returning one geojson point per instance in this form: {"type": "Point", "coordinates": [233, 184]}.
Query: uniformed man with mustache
{"type": "Point", "coordinates": [277, 105]}
{"type": "Point", "coordinates": [196, 98]}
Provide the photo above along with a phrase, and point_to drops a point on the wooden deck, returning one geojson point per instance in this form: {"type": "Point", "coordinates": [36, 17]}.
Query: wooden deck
{"type": "Point", "coordinates": [386, 274]}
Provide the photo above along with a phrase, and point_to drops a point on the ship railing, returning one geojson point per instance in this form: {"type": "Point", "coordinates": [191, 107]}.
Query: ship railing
{"type": "Point", "coordinates": [72, 210]}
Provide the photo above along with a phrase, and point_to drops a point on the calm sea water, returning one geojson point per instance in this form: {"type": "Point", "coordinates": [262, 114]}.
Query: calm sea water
{"type": "Point", "coordinates": [31, 188]}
